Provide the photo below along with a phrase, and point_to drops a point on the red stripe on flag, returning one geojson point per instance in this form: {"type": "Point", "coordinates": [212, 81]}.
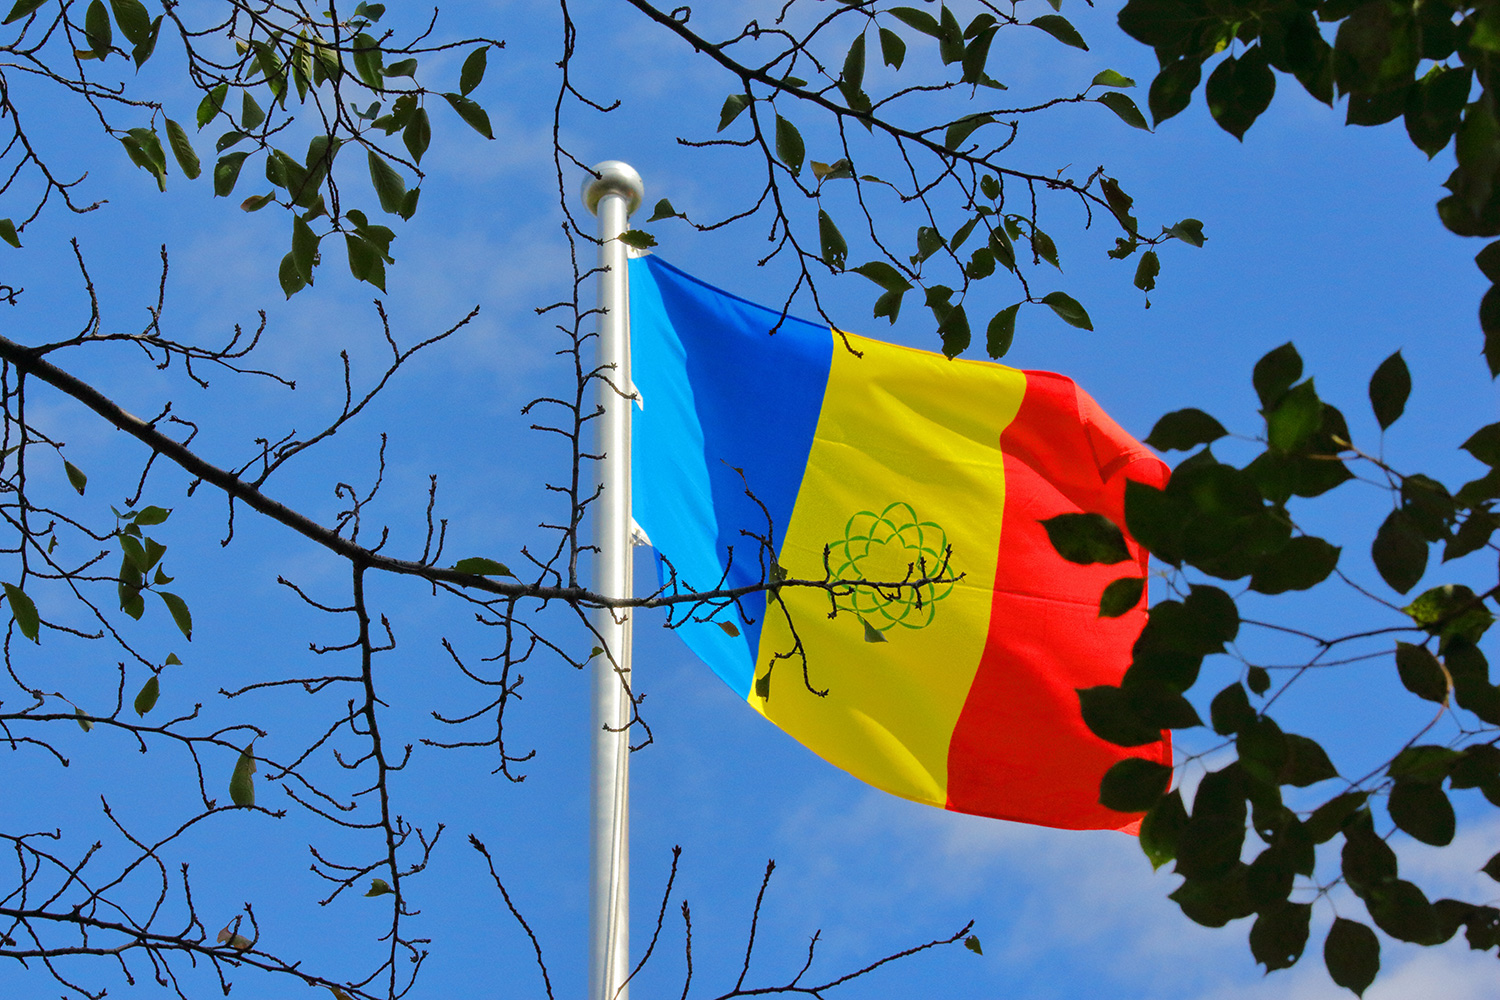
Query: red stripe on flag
{"type": "Point", "coordinates": [1020, 750]}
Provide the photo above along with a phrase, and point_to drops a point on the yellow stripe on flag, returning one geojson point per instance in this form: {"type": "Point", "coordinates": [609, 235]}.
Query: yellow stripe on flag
{"type": "Point", "coordinates": [905, 461]}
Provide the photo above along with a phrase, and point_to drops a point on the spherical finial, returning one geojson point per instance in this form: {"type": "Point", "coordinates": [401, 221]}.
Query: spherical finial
{"type": "Point", "coordinates": [614, 176]}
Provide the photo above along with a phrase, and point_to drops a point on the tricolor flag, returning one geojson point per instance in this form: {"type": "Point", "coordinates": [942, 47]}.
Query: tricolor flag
{"type": "Point", "coordinates": [874, 461]}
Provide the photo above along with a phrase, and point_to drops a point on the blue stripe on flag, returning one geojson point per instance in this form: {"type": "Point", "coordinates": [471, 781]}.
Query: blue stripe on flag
{"type": "Point", "coordinates": [719, 394]}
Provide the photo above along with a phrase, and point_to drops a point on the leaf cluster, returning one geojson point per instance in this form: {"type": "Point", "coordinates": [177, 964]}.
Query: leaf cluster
{"type": "Point", "coordinates": [1235, 524]}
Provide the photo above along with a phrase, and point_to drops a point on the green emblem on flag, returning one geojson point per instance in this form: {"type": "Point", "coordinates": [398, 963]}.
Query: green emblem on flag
{"type": "Point", "coordinates": [890, 547]}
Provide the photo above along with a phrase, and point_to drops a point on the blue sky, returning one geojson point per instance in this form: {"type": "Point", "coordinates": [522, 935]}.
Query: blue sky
{"type": "Point", "coordinates": [1317, 233]}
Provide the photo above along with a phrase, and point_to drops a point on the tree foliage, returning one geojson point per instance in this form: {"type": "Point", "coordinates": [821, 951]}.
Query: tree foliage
{"type": "Point", "coordinates": [1428, 64]}
{"type": "Point", "coordinates": [1223, 523]}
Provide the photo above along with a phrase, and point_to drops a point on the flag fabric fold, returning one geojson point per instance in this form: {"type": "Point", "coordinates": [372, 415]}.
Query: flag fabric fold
{"type": "Point", "coordinates": [769, 444]}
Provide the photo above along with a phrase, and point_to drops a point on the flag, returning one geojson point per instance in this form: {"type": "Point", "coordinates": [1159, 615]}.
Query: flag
{"type": "Point", "coordinates": [767, 444]}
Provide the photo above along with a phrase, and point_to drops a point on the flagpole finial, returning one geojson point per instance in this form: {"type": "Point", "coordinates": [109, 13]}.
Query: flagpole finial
{"type": "Point", "coordinates": [613, 176]}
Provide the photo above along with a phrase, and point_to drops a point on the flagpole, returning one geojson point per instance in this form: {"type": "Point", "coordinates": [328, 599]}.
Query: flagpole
{"type": "Point", "coordinates": [612, 195]}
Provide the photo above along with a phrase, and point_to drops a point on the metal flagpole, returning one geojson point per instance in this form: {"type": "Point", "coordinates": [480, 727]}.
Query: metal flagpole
{"type": "Point", "coordinates": [612, 196]}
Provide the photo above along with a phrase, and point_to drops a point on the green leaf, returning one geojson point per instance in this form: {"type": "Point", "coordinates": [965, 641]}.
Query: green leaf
{"type": "Point", "coordinates": [480, 566]}
{"type": "Point", "coordinates": [1230, 711]}
{"type": "Point", "coordinates": [977, 54]}
{"type": "Point", "coordinates": [1263, 750]}
{"type": "Point", "coordinates": [21, 9]}
{"type": "Point", "coordinates": [1162, 827]}
{"type": "Point", "coordinates": [1305, 562]}
{"type": "Point", "coordinates": [367, 59]}
{"type": "Point", "coordinates": [963, 128]}
{"type": "Point", "coordinates": [227, 172]}
{"type": "Point", "coordinates": [1450, 610]}
{"type": "Point", "coordinates": [146, 700]}
{"type": "Point", "coordinates": [839, 169]}
{"type": "Point", "coordinates": [96, 28]}
{"type": "Point", "coordinates": [892, 48]}
{"type": "Point", "coordinates": [1181, 430]}
{"type": "Point", "coordinates": [148, 516]}
{"type": "Point", "coordinates": [835, 249]}
{"type": "Point", "coordinates": [1352, 954]}
{"type": "Point", "coordinates": [8, 233]}
{"type": "Point", "coordinates": [389, 186]}
{"type": "Point", "coordinates": [1068, 309]}
{"type": "Point", "coordinates": [1061, 29]}
{"type": "Point", "coordinates": [763, 685]}
{"type": "Point", "coordinates": [379, 887]}
{"type": "Point", "coordinates": [1329, 818]}
{"type": "Point", "coordinates": [733, 105]}
{"type": "Point", "coordinates": [1121, 596]}
{"type": "Point", "coordinates": [1173, 87]}
{"type": "Point", "coordinates": [884, 275]}
{"type": "Point", "coordinates": [1239, 90]}
{"type": "Point", "coordinates": [365, 260]}
{"type": "Point", "coordinates": [1307, 763]}
{"type": "Point", "coordinates": [290, 276]}
{"type": "Point", "coordinates": [1491, 867]}
{"type": "Point", "coordinates": [179, 609]}
{"type": "Point", "coordinates": [251, 114]}
{"type": "Point", "coordinates": [664, 210]}
{"type": "Point", "coordinates": [1215, 902]}
{"type": "Point", "coordinates": [304, 249]}
{"type": "Point", "coordinates": [83, 720]}
{"type": "Point", "coordinates": [1400, 552]}
{"type": "Point", "coordinates": [638, 238]}
{"type": "Point", "coordinates": [919, 19]}
{"type": "Point", "coordinates": [1134, 785]}
{"type": "Point", "coordinates": [1293, 421]}
{"type": "Point", "coordinates": [172, 660]}
{"type": "Point", "coordinates": [1124, 107]}
{"type": "Point", "coordinates": [950, 37]}
{"type": "Point", "coordinates": [1108, 713]}
{"type": "Point", "coordinates": [1146, 272]}
{"type": "Point", "coordinates": [1421, 673]}
{"type": "Point", "coordinates": [1109, 78]}
{"type": "Point", "coordinates": [953, 327]}
{"type": "Point", "coordinates": [1044, 248]}
{"type": "Point", "coordinates": [929, 242]}
{"type": "Point", "coordinates": [1402, 910]}
{"type": "Point", "coordinates": [473, 70]}
{"type": "Point", "coordinates": [134, 21]}
{"type": "Point", "coordinates": [242, 782]}
{"type": "Point", "coordinates": [405, 67]}
{"type": "Point", "coordinates": [1484, 444]}
{"type": "Point", "coordinates": [1212, 841]}
{"type": "Point", "coordinates": [1473, 535]}
{"type": "Point", "coordinates": [182, 149]}
{"type": "Point", "coordinates": [1276, 373]}
{"type": "Point", "coordinates": [211, 104]}
{"type": "Point", "coordinates": [972, 943]}
{"type": "Point", "coordinates": [417, 135]}
{"type": "Point", "coordinates": [1189, 231]}
{"type": "Point", "coordinates": [1001, 331]}
{"type": "Point", "coordinates": [1390, 387]}
{"type": "Point", "coordinates": [24, 612]}
{"type": "Point", "coordinates": [730, 629]}
{"type": "Point", "coordinates": [135, 553]}
{"type": "Point", "coordinates": [1086, 539]}
{"type": "Point", "coordinates": [75, 476]}
{"type": "Point", "coordinates": [790, 148]}
{"type": "Point", "coordinates": [1279, 935]}
{"type": "Point", "coordinates": [147, 45]}
{"type": "Point", "coordinates": [853, 77]}
{"type": "Point", "coordinates": [472, 114]}
{"type": "Point", "coordinates": [872, 634]}
{"type": "Point", "coordinates": [1422, 810]}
